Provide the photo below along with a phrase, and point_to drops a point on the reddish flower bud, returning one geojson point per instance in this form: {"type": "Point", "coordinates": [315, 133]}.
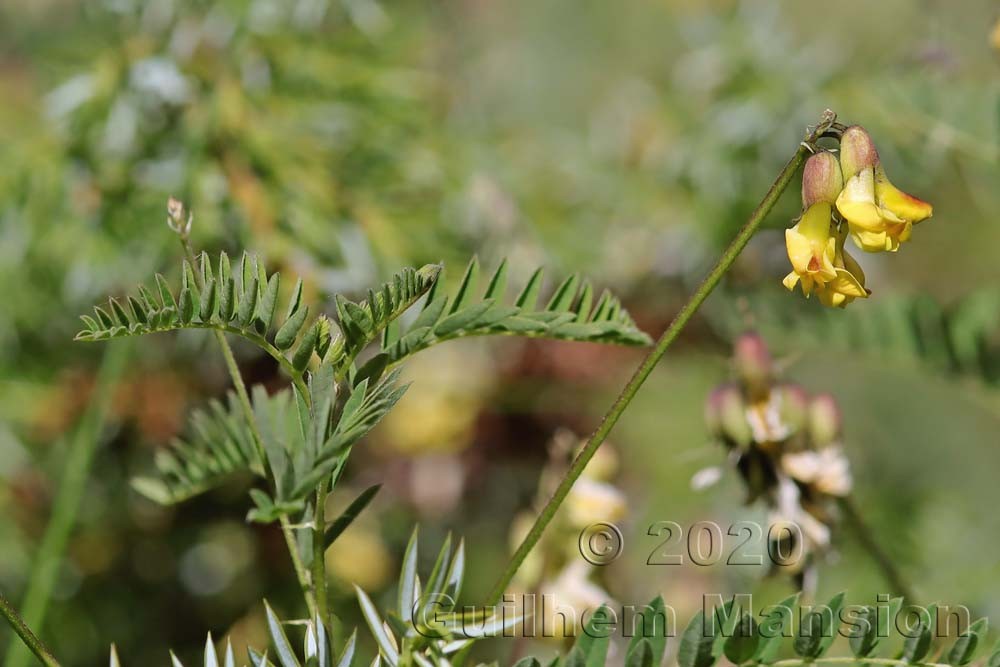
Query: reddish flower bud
{"type": "Point", "coordinates": [821, 179]}
{"type": "Point", "coordinates": [857, 151]}
{"type": "Point", "coordinates": [752, 363]}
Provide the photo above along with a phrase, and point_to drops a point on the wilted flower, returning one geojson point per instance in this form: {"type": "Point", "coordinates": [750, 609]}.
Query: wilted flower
{"type": "Point", "coordinates": [880, 215]}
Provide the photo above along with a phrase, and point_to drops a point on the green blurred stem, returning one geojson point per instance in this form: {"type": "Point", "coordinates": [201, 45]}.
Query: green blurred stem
{"type": "Point", "coordinates": [244, 398]}
{"type": "Point", "coordinates": [25, 633]}
{"type": "Point", "coordinates": [867, 538]}
{"type": "Point", "coordinates": [729, 256]}
{"type": "Point", "coordinates": [72, 484]}
{"type": "Point", "coordinates": [319, 549]}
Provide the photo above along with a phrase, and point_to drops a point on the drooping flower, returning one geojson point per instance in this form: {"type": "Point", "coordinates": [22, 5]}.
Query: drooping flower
{"type": "Point", "coordinates": [880, 215]}
{"type": "Point", "coordinates": [815, 244]}
{"type": "Point", "coordinates": [849, 284]}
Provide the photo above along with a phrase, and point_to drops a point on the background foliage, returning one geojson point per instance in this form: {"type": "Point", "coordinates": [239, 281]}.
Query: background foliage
{"type": "Point", "coordinates": [341, 140]}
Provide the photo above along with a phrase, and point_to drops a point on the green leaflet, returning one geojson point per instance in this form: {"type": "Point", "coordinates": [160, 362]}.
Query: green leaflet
{"type": "Point", "coordinates": [566, 316]}
{"type": "Point", "coordinates": [248, 306]}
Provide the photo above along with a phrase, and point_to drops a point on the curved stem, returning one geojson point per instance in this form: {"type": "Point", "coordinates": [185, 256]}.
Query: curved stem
{"type": "Point", "coordinates": [244, 398]}
{"type": "Point", "coordinates": [26, 635]}
{"type": "Point", "coordinates": [729, 256]}
{"type": "Point", "coordinates": [867, 538]}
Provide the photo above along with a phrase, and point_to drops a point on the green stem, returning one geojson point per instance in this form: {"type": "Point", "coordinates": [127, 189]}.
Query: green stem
{"type": "Point", "coordinates": [25, 633]}
{"type": "Point", "coordinates": [244, 398]}
{"type": "Point", "coordinates": [867, 538]}
{"type": "Point", "coordinates": [646, 367]}
{"type": "Point", "coordinates": [300, 568]}
{"type": "Point", "coordinates": [319, 549]}
{"type": "Point", "coordinates": [76, 469]}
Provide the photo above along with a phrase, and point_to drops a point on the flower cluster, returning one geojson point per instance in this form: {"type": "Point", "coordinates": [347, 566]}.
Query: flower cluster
{"type": "Point", "coordinates": [785, 446]}
{"type": "Point", "coordinates": [852, 197]}
{"type": "Point", "coordinates": [555, 569]}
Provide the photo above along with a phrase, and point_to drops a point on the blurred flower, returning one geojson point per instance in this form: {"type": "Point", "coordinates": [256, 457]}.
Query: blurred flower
{"type": "Point", "coordinates": [604, 464]}
{"type": "Point", "coordinates": [571, 589]}
{"type": "Point", "coordinates": [785, 447]}
{"type": "Point", "coordinates": [359, 556]}
{"type": "Point", "coordinates": [441, 417]}
{"type": "Point", "coordinates": [827, 470]}
{"type": "Point", "coordinates": [436, 483]}
{"type": "Point", "coordinates": [591, 501]}
{"type": "Point", "coordinates": [879, 215]}
{"type": "Point", "coordinates": [995, 35]}
{"type": "Point", "coordinates": [752, 362]}
{"type": "Point", "coordinates": [824, 420]}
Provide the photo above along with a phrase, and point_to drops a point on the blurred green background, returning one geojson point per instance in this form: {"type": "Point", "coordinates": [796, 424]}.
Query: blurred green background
{"type": "Point", "coordinates": [342, 139]}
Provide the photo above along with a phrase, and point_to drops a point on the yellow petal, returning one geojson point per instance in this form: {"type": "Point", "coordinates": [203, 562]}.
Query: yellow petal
{"type": "Point", "coordinates": [857, 202]}
{"type": "Point", "coordinates": [832, 299]}
{"type": "Point", "coordinates": [904, 206]}
{"type": "Point", "coordinates": [851, 266]}
{"type": "Point", "coordinates": [847, 284]}
{"type": "Point", "coordinates": [869, 241]}
{"type": "Point", "coordinates": [790, 281]}
{"type": "Point", "coordinates": [800, 250]}
{"type": "Point", "coordinates": [815, 222]}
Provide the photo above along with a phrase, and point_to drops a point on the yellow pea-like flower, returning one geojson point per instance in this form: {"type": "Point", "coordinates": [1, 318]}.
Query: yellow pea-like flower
{"type": "Point", "coordinates": [849, 284]}
{"type": "Point", "coordinates": [879, 215]}
{"type": "Point", "coordinates": [812, 249]}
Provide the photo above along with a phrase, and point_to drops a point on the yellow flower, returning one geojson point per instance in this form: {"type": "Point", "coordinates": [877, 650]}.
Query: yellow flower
{"type": "Point", "coordinates": [849, 283]}
{"type": "Point", "coordinates": [811, 249]}
{"type": "Point", "coordinates": [880, 215]}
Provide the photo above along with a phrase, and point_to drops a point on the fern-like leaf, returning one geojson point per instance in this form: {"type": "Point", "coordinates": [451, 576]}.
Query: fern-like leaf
{"type": "Point", "coordinates": [303, 442]}
{"type": "Point", "coordinates": [220, 445]}
{"type": "Point", "coordinates": [569, 314]}
{"type": "Point", "coordinates": [246, 304]}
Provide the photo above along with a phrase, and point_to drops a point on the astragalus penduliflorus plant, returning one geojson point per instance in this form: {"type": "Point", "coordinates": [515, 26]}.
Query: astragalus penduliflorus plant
{"type": "Point", "coordinates": [341, 368]}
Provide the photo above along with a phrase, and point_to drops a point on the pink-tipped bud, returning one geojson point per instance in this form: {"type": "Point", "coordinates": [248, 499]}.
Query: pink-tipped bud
{"type": "Point", "coordinates": [794, 406]}
{"type": "Point", "coordinates": [857, 151]}
{"type": "Point", "coordinates": [821, 179]}
{"type": "Point", "coordinates": [732, 416]}
{"type": "Point", "coordinates": [752, 363]}
{"type": "Point", "coordinates": [824, 420]}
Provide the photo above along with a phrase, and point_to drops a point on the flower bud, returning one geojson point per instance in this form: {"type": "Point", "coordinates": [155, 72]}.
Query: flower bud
{"type": "Point", "coordinates": [178, 218]}
{"type": "Point", "coordinates": [726, 413]}
{"type": "Point", "coordinates": [857, 151]}
{"type": "Point", "coordinates": [824, 420]}
{"type": "Point", "coordinates": [752, 363]}
{"type": "Point", "coordinates": [821, 179]}
{"type": "Point", "coordinates": [793, 406]}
